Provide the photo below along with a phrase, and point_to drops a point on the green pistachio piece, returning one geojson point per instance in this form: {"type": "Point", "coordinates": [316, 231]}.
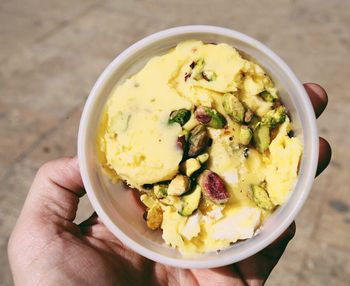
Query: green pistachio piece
{"type": "Point", "coordinates": [267, 96]}
{"type": "Point", "coordinates": [210, 117]}
{"type": "Point", "coordinates": [261, 137]}
{"type": "Point", "coordinates": [197, 69]}
{"type": "Point", "coordinates": [233, 107]}
{"type": "Point", "coordinates": [245, 135]}
{"type": "Point", "coordinates": [190, 166]}
{"type": "Point", "coordinates": [274, 117]}
{"type": "Point", "coordinates": [179, 185]}
{"type": "Point", "coordinates": [261, 198]}
{"type": "Point", "coordinates": [180, 116]}
{"type": "Point", "coordinates": [202, 158]}
{"type": "Point", "coordinates": [254, 122]}
{"type": "Point", "coordinates": [161, 191]}
{"type": "Point", "coordinates": [190, 202]}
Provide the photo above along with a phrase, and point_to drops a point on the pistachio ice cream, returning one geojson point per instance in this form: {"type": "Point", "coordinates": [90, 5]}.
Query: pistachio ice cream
{"type": "Point", "coordinates": [201, 133]}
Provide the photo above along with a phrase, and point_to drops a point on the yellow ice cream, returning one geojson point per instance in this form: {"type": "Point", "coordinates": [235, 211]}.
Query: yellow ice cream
{"type": "Point", "coordinates": [138, 143]}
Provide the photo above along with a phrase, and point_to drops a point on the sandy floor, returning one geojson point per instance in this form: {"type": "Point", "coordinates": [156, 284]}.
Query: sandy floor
{"type": "Point", "coordinates": [51, 53]}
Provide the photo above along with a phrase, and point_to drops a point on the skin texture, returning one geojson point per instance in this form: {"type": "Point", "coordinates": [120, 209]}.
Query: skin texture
{"type": "Point", "coordinates": [47, 248]}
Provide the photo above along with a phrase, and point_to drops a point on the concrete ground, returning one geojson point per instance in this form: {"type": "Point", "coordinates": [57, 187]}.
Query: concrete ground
{"type": "Point", "coordinates": [51, 53]}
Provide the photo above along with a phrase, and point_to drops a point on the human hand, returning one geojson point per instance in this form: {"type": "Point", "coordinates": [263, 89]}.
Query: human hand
{"type": "Point", "coordinates": [47, 248]}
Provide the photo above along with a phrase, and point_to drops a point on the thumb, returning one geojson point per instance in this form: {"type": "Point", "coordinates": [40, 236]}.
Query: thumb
{"type": "Point", "coordinates": [50, 207]}
{"type": "Point", "coordinates": [55, 191]}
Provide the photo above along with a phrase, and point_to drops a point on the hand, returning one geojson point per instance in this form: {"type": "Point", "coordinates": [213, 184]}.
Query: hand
{"type": "Point", "coordinates": [47, 248]}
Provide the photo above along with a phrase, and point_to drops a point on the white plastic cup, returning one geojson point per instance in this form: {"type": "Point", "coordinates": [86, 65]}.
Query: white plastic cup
{"type": "Point", "coordinates": [117, 208]}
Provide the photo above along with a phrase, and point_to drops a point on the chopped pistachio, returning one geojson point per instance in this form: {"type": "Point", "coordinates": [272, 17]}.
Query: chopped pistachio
{"type": "Point", "coordinates": [179, 185]}
{"type": "Point", "coordinates": [245, 135]}
{"type": "Point", "coordinates": [160, 191]}
{"type": "Point", "coordinates": [213, 187]}
{"type": "Point", "coordinates": [190, 201]}
{"type": "Point", "coordinates": [274, 117]}
{"type": "Point", "coordinates": [261, 137]}
{"type": "Point", "coordinates": [254, 122]}
{"type": "Point", "coordinates": [190, 166]}
{"type": "Point", "coordinates": [147, 200]}
{"type": "Point", "coordinates": [233, 107]}
{"type": "Point", "coordinates": [169, 200]}
{"type": "Point", "coordinates": [261, 198]}
{"type": "Point", "coordinates": [180, 116]}
{"type": "Point", "coordinates": [202, 158]}
{"type": "Point", "coordinates": [267, 96]}
{"type": "Point", "coordinates": [248, 116]}
{"type": "Point", "coordinates": [154, 217]}
{"type": "Point", "coordinates": [198, 68]}
{"type": "Point", "coordinates": [190, 124]}
{"type": "Point", "coordinates": [217, 121]}
{"type": "Point", "coordinates": [210, 117]}
{"type": "Point", "coordinates": [198, 140]}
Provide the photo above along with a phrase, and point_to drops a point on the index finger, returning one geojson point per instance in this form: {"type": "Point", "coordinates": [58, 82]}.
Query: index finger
{"type": "Point", "coordinates": [56, 190]}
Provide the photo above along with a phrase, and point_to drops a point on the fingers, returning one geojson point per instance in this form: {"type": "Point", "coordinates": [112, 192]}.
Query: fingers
{"type": "Point", "coordinates": [325, 156]}
{"type": "Point", "coordinates": [319, 101]}
{"type": "Point", "coordinates": [256, 269]}
{"type": "Point", "coordinates": [63, 173]}
{"type": "Point", "coordinates": [318, 97]}
{"type": "Point", "coordinates": [56, 190]}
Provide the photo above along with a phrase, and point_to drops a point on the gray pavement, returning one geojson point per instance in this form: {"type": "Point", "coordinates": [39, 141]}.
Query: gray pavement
{"type": "Point", "coordinates": [51, 53]}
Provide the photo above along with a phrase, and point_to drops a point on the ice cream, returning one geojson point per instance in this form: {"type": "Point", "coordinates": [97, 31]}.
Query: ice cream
{"type": "Point", "coordinates": [201, 133]}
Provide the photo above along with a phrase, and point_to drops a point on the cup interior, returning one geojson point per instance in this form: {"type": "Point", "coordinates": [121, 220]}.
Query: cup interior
{"type": "Point", "coordinates": [117, 206]}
